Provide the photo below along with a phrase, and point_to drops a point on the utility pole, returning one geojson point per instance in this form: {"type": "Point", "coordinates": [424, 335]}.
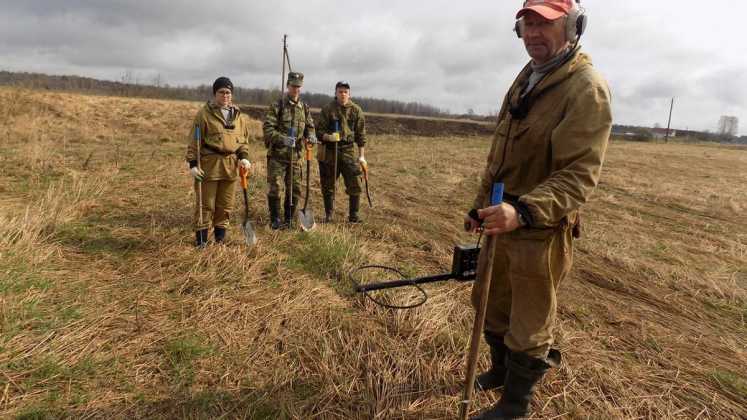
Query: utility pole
{"type": "Point", "coordinates": [669, 123]}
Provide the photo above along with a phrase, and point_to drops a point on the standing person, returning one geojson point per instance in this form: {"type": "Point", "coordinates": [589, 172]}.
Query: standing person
{"type": "Point", "coordinates": [343, 125]}
{"type": "Point", "coordinates": [286, 122]}
{"type": "Point", "coordinates": [224, 139]}
{"type": "Point", "coordinates": [548, 150]}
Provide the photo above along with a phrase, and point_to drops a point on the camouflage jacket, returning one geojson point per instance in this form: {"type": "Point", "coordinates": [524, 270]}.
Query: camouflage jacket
{"type": "Point", "coordinates": [549, 156]}
{"type": "Point", "coordinates": [352, 123]}
{"type": "Point", "coordinates": [295, 115]}
{"type": "Point", "coordinates": [222, 142]}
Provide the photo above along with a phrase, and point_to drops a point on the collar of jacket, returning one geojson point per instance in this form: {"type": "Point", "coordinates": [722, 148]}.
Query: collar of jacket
{"type": "Point", "coordinates": [291, 102]}
{"type": "Point", "coordinates": [575, 62]}
{"type": "Point", "coordinates": [213, 107]}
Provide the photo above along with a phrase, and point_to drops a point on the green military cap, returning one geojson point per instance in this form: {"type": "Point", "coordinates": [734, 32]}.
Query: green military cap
{"type": "Point", "coordinates": [295, 78]}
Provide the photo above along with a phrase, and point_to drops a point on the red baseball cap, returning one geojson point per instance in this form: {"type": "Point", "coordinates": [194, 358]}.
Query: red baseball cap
{"type": "Point", "coordinates": [548, 9]}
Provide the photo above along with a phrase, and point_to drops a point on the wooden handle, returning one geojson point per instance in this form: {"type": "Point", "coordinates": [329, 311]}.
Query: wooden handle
{"type": "Point", "coordinates": [244, 174]}
{"type": "Point", "coordinates": [364, 167]}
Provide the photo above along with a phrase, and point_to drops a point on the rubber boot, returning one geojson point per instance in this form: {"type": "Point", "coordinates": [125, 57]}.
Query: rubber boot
{"type": "Point", "coordinates": [201, 238]}
{"type": "Point", "coordinates": [495, 376]}
{"type": "Point", "coordinates": [355, 204]}
{"type": "Point", "coordinates": [220, 235]}
{"type": "Point", "coordinates": [329, 208]}
{"type": "Point", "coordinates": [524, 372]}
{"type": "Point", "coordinates": [274, 204]}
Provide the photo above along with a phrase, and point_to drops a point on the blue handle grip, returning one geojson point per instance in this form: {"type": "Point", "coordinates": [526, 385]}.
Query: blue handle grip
{"type": "Point", "coordinates": [496, 197]}
{"type": "Point", "coordinates": [337, 126]}
{"type": "Point", "coordinates": [197, 133]}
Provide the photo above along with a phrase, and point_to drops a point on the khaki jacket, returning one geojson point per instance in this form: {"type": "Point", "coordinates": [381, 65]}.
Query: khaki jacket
{"type": "Point", "coordinates": [551, 159]}
{"type": "Point", "coordinates": [223, 142]}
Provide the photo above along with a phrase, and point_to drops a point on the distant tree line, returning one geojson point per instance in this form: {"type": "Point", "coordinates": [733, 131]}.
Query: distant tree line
{"type": "Point", "coordinates": [157, 89]}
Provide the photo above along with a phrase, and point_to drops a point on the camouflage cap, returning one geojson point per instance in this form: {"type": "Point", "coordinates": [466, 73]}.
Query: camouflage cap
{"type": "Point", "coordinates": [295, 78]}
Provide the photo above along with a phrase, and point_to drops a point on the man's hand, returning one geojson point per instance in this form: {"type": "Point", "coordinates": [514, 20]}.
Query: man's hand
{"type": "Point", "coordinates": [245, 164]}
{"type": "Point", "coordinates": [288, 141]}
{"type": "Point", "coordinates": [362, 160]}
{"type": "Point", "coordinates": [502, 218]}
{"type": "Point", "coordinates": [312, 139]}
{"type": "Point", "coordinates": [331, 138]}
{"type": "Point", "coordinates": [197, 173]}
{"type": "Point", "coordinates": [470, 224]}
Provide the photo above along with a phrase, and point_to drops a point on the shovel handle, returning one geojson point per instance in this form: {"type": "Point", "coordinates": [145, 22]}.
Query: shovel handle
{"type": "Point", "coordinates": [364, 167]}
{"type": "Point", "coordinates": [244, 174]}
{"type": "Point", "coordinates": [309, 146]}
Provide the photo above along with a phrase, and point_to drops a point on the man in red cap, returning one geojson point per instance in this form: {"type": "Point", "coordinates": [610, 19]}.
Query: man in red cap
{"type": "Point", "coordinates": [547, 151]}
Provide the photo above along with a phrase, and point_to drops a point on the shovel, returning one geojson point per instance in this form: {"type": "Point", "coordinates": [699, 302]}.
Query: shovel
{"type": "Point", "coordinates": [305, 215]}
{"type": "Point", "coordinates": [246, 227]}
{"type": "Point", "coordinates": [364, 167]}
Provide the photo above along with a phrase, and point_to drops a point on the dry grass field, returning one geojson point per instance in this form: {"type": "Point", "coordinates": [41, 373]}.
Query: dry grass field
{"type": "Point", "coordinates": [107, 311]}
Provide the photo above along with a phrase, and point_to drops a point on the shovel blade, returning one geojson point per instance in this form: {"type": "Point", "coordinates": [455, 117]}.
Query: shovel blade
{"type": "Point", "coordinates": [249, 235]}
{"type": "Point", "coordinates": [306, 220]}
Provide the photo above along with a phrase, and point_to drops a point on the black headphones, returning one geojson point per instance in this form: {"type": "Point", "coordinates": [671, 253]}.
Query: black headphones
{"type": "Point", "coordinates": [575, 23]}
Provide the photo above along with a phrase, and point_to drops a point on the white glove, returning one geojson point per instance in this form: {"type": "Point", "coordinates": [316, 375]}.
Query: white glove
{"type": "Point", "coordinates": [362, 160]}
{"type": "Point", "coordinates": [289, 141]}
{"type": "Point", "coordinates": [312, 139]}
{"type": "Point", "coordinates": [197, 173]}
{"type": "Point", "coordinates": [245, 164]}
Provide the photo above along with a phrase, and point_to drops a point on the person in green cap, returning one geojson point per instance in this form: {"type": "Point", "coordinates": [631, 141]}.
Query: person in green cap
{"type": "Point", "coordinates": [224, 138]}
{"type": "Point", "coordinates": [344, 126]}
{"type": "Point", "coordinates": [287, 122]}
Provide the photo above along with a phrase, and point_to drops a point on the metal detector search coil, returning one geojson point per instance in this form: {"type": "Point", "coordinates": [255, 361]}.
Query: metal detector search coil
{"type": "Point", "coordinates": [463, 268]}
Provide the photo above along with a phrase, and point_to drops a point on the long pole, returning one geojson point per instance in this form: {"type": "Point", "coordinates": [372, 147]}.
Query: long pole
{"type": "Point", "coordinates": [474, 342]}
{"type": "Point", "coordinates": [199, 166]}
{"type": "Point", "coordinates": [496, 197]}
{"type": "Point", "coordinates": [669, 123]}
{"type": "Point", "coordinates": [282, 81]}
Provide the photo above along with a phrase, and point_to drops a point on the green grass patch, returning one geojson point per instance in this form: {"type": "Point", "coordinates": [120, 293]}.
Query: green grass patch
{"type": "Point", "coordinates": [731, 382]}
{"type": "Point", "coordinates": [18, 276]}
{"type": "Point", "coordinates": [323, 255]}
{"type": "Point", "coordinates": [181, 354]}
{"type": "Point", "coordinates": [95, 239]}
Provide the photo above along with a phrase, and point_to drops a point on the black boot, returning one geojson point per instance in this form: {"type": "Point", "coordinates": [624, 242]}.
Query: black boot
{"type": "Point", "coordinates": [201, 238]}
{"type": "Point", "coordinates": [274, 204]}
{"type": "Point", "coordinates": [355, 204]}
{"type": "Point", "coordinates": [524, 372]}
{"type": "Point", "coordinates": [496, 375]}
{"type": "Point", "coordinates": [220, 234]}
{"type": "Point", "coordinates": [329, 208]}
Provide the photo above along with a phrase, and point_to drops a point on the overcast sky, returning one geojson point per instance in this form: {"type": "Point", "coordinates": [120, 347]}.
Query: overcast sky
{"type": "Point", "coordinates": [451, 54]}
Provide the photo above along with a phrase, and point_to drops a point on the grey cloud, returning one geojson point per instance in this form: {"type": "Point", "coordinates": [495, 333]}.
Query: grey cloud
{"type": "Point", "coordinates": [450, 55]}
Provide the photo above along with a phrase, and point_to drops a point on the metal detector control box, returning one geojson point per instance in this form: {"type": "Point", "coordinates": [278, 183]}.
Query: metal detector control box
{"type": "Point", "coordinates": [464, 265]}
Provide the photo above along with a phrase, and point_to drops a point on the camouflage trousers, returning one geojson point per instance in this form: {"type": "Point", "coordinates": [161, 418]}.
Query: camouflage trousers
{"type": "Point", "coordinates": [347, 166]}
{"type": "Point", "coordinates": [278, 177]}
{"type": "Point", "coordinates": [217, 203]}
{"type": "Point", "coordinates": [528, 267]}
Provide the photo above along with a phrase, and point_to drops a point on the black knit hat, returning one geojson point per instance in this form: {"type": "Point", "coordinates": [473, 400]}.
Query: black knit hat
{"type": "Point", "coordinates": [222, 82]}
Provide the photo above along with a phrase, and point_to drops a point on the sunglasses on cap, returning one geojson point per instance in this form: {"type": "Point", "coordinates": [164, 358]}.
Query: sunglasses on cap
{"type": "Point", "coordinates": [345, 85]}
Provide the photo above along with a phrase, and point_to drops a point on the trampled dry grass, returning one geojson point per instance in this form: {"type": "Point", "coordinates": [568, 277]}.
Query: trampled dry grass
{"type": "Point", "coordinates": [108, 312]}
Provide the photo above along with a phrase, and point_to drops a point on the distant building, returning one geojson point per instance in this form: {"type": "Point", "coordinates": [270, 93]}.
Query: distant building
{"type": "Point", "coordinates": [660, 133]}
{"type": "Point", "coordinates": [728, 126]}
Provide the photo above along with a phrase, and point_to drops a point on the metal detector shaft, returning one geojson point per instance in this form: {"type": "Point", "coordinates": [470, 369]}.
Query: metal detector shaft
{"type": "Point", "coordinates": [401, 283]}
